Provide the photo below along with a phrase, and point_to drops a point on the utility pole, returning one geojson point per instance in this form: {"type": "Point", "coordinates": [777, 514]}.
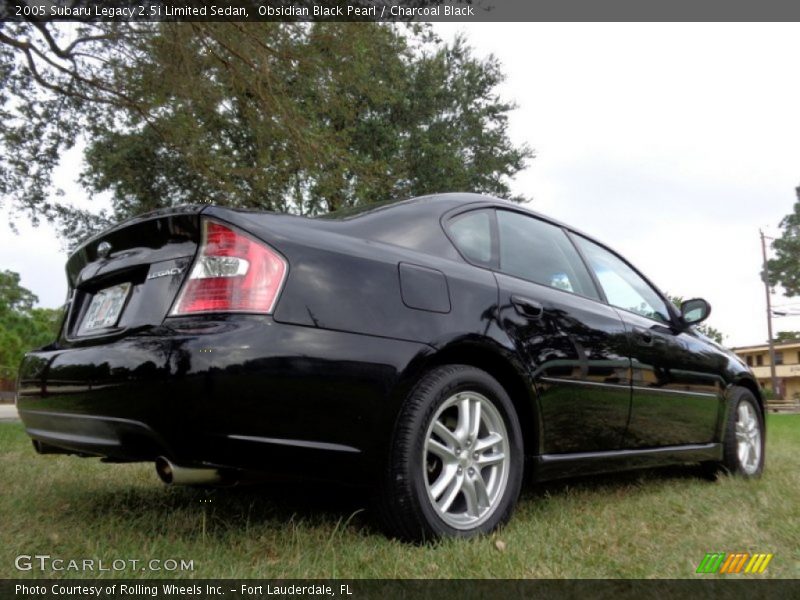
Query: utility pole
{"type": "Point", "coordinates": [769, 317]}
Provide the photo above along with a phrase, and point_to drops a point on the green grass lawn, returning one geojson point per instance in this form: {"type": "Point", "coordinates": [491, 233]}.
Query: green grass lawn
{"type": "Point", "coordinates": [657, 523]}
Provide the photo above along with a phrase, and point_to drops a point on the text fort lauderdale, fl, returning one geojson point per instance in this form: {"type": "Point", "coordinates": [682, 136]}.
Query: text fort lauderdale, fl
{"type": "Point", "coordinates": [169, 589]}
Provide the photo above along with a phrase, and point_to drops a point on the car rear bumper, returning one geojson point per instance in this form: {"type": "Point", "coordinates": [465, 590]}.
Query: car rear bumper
{"type": "Point", "coordinates": [240, 392]}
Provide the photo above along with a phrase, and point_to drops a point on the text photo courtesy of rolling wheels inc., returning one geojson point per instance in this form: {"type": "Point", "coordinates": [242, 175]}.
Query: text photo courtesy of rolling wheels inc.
{"type": "Point", "coordinates": [361, 307]}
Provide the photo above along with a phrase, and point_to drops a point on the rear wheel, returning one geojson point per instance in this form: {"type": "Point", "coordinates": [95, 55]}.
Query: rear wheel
{"type": "Point", "coordinates": [456, 459]}
{"type": "Point", "coordinates": [743, 447]}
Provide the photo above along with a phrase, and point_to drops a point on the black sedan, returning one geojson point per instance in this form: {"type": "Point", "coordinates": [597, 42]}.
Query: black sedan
{"type": "Point", "coordinates": [431, 351]}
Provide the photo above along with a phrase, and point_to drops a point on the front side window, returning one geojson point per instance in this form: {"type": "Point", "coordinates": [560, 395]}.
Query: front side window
{"type": "Point", "coordinates": [624, 287]}
{"type": "Point", "coordinates": [541, 252]}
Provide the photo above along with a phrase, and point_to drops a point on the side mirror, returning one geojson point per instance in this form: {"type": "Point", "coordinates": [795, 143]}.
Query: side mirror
{"type": "Point", "coordinates": [695, 311]}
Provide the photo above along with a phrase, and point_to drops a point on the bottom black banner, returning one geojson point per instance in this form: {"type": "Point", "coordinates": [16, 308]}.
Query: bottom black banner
{"type": "Point", "coordinates": [358, 589]}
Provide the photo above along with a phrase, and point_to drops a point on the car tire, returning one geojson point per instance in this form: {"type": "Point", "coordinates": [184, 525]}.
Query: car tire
{"type": "Point", "coordinates": [456, 460]}
{"type": "Point", "coordinates": [743, 444]}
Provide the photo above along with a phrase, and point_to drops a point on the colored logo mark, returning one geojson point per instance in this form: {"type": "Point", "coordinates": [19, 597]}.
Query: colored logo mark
{"type": "Point", "coordinates": [736, 562]}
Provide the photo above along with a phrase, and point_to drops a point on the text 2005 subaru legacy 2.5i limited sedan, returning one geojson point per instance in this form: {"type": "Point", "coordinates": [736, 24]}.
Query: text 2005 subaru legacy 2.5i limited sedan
{"type": "Point", "coordinates": [428, 350]}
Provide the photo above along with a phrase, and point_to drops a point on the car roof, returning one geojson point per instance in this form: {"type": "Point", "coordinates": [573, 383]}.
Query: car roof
{"type": "Point", "coordinates": [436, 206]}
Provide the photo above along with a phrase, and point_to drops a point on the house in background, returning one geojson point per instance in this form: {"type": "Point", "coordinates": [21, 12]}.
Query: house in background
{"type": "Point", "coordinates": [787, 368]}
{"type": "Point", "coordinates": [7, 390]}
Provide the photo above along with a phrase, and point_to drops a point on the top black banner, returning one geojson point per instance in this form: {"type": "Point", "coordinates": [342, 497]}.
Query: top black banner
{"type": "Point", "coordinates": [464, 11]}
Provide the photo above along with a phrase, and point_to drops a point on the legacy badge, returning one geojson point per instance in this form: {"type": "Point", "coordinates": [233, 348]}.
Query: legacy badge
{"type": "Point", "coordinates": [173, 271]}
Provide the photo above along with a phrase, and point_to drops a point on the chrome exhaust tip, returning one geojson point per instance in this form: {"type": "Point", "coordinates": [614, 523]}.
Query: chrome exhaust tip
{"type": "Point", "coordinates": [172, 474]}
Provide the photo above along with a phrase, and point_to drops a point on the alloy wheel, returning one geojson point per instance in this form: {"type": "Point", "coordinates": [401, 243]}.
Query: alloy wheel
{"type": "Point", "coordinates": [466, 460]}
{"type": "Point", "coordinates": [748, 438]}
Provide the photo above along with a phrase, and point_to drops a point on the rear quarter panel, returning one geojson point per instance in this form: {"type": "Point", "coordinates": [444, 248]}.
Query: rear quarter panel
{"type": "Point", "coordinates": [346, 283]}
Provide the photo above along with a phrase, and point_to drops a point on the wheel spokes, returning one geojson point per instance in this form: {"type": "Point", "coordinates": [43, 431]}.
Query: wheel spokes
{"type": "Point", "coordinates": [485, 460]}
{"type": "Point", "coordinates": [453, 490]}
{"type": "Point", "coordinates": [466, 459]}
{"type": "Point", "coordinates": [447, 436]}
{"type": "Point", "coordinates": [485, 443]}
{"type": "Point", "coordinates": [464, 413]}
{"type": "Point", "coordinates": [748, 437]}
{"type": "Point", "coordinates": [446, 454]}
{"type": "Point", "coordinates": [443, 482]}
{"type": "Point", "coordinates": [474, 420]}
{"type": "Point", "coordinates": [741, 435]}
{"type": "Point", "coordinates": [481, 493]}
{"type": "Point", "coordinates": [471, 497]}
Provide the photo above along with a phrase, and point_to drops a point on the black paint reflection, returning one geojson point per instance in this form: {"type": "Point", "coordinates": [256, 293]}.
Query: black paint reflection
{"type": "Point", "coordinates": [576, 353]}
{"type": "Point", "coordinates": [678, 388]}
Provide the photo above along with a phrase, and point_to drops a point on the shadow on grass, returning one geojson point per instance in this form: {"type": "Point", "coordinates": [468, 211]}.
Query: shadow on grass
{"type": "Point", "coordinates": [615, 481]}
{"type": "Point", "coordinates": [231, 508]}
{"type": "Point", "coordinates": [308, 505]}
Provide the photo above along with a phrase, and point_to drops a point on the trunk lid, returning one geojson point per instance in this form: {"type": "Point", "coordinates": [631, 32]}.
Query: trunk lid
{"type": "Point", "coordinates": [128, 276]}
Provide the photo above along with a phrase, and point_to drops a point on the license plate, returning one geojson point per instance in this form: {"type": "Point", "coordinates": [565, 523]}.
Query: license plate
{"type": "Point", "coordinates": [106, 307]}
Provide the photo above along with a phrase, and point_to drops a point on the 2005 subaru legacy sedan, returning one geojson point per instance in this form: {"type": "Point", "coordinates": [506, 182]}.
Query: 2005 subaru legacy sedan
{"type": "Point", "coordinates": [428, 350]}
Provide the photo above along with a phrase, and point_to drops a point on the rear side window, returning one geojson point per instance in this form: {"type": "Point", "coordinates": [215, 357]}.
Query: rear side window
{"type": "Point", "coordinates": [472, 235]}
{"type": "Point", "coordinates": [541, 252]}
{"type": "Point", "coordinates": [624, 287]}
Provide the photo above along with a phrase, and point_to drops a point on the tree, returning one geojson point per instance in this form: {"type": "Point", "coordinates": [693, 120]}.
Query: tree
{"type": "Point", "coordinates": [784, 269]}
{"type": "Point", "coordinates": [704, 328]}
{"type": "Point", "coordinates": [787, 336]}
{"type": "Point", "coordinates": [22, 326]}
{"type": "Point", "coordinates": [299, 117]}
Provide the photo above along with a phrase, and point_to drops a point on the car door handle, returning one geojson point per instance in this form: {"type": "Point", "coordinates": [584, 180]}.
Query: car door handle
{"type": "Point", "coordinates": [643, 336]}
{"type": "Point", "coordinates": [527, 307]}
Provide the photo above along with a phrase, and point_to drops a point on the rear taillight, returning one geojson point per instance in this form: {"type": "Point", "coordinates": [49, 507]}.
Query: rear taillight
{"type": "Point", "coordinates": [232, 273]}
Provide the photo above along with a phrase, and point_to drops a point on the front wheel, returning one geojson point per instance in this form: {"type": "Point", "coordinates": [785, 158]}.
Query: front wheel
{"type": "Point", "coordinates": [743, 447]}
{"type": "Point", "coordinates": [456, 461]}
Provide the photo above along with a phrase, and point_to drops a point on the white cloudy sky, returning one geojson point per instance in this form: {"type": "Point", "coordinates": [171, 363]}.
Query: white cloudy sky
{"type": "Point", "coordinates": [673, 143]}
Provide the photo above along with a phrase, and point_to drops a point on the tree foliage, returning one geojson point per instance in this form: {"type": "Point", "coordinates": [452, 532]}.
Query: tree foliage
{"type": "Point", "coordinates": [296, 117]}
{"type": "Point", "coordinates": [787, 336]}
{"type": "Point", "coordinates": [22, 327]}
{"type": "Point", "coordinates": [784, 268]}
